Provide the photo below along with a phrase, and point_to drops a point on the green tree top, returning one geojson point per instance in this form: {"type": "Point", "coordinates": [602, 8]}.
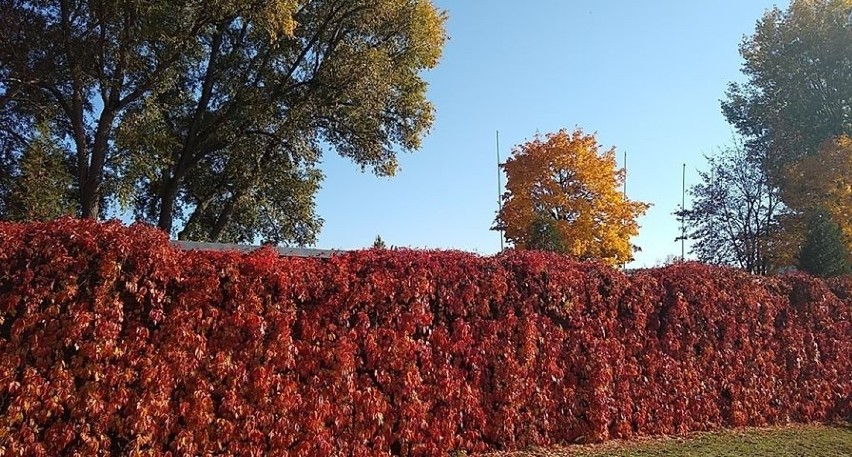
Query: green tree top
{"type": "Point", "coordinates": [214, 115]}
{"type": "Point", "coordinates": [544, 235]}
{"type": "Point", "coordinates": [797, 95]}
{"type": "Point", "coordinates": [824, 253]}
{"type": "Point", "coordinates": [40, 188]}
{"type": "Point", "coordinates": [379, 243]}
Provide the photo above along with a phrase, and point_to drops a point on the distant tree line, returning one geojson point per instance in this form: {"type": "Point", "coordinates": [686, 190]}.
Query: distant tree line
{"type": "Point", "coordinates": [782, 198]}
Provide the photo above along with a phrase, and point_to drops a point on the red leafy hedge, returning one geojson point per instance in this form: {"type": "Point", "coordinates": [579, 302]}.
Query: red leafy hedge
{"type": "Point", "coordinates": [114, 343]}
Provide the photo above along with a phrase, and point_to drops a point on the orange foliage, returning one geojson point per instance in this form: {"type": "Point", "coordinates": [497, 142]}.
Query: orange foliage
{"type": "Point", "coordinates": [564, 177]}
{"type": "Point", "coordinates": [822, 181]}
{"type": "Point", "coordinates": [114, 342]}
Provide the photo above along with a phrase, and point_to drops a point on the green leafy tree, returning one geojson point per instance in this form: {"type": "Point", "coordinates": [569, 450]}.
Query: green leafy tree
{"type": "Point", "coordinates": [232, 150]}
{"type": "Point", "coordinates": [215, 115]}
{"type": "Point", "coordinates": [799, 82]}
{"type": "Point", "coordinates": [544, 234]}
{"type": "Point", "coordinates": [379, 243]}
{"type": "Point", "coordinates": [80, 65]}
{"type": "Point", "coordinates": [824, 253]}
{"type": "Point", "coordinates": [41, 186]}
{"type": "Point", "coordinates": [8, 164]}
{"type": "Point", "coordinates": [796, 99]}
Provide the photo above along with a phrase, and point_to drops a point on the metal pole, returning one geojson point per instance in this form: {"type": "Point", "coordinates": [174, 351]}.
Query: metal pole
{"type": "Point", "coordinates": [624, 192]}
{"type": "Point", "coordinates": [499, 189]}
{"type": "Point", "coordinates": [683, 217]}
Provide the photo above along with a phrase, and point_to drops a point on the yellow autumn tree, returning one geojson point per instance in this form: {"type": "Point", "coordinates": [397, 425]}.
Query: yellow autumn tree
{"type": "Point", "coordinates": [561, 186]}
{"type": "Point", "coordinates": [820, 182]}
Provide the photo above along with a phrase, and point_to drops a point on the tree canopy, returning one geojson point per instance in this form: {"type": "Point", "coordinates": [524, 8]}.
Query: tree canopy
{"type": "Point", "coordinates": [823, 182]}
{"type": "Point", "coordinates": [563, 180]}
{"type": "Point", "coordinates": [798, 92]}
{"type": "Point", "coordinates": [793, 112]}
{"type": "Point", "coordinates": [215, 115]}
{"type": "Point", "coordinates": [544, 234]}
{"type": "Point", "coordinates": [41, 187]}
{"type": "Point", "coordinates": [820, 183]}
{"type": "Point", "coordinates": [823, 252]}
{"type": "Point", "coordinates": [734, 213]}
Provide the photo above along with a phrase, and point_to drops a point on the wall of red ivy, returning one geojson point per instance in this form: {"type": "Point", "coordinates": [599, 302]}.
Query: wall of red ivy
{"type": "Point", "coordinates": [114, 343]}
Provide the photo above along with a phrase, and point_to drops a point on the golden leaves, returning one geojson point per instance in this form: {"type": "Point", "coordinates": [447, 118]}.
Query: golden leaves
{"type": "Point", "coordinates": [278, 16]}
{"type": "Point", "coordinates": [562, 176]}
{"type": "Point", "coordinates": [822, 181]}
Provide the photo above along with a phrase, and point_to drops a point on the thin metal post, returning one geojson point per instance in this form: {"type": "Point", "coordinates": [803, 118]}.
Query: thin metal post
{"type": "Point", "coordinates": [683, 217]}
{"type": "Point", "coordinates": [499, 189]}
{"type": "Point", "coordinates": [624, 192]}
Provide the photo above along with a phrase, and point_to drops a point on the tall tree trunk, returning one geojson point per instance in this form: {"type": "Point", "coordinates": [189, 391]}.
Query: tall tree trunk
{"type": "Point", "coordinates": [90, 196]}
{"type": "Point", "coordinates": [224, 217]}
{"type": "Point", "coordinates": [188, 156]}
{"type": "Point", "coordinates": [247, 185]}
{"type": "Point", "coordinates": [167, 205]}
{"type": "Point", "coordinates": [77, 116]}
{"type": "Point", "coordinates": [82, 147]}
{"type": "Point", "coordinates": [199, 209]}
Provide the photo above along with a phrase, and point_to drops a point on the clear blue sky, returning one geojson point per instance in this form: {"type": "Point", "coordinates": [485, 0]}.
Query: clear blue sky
{"type": "Point", "coordinates": [646, 76]}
